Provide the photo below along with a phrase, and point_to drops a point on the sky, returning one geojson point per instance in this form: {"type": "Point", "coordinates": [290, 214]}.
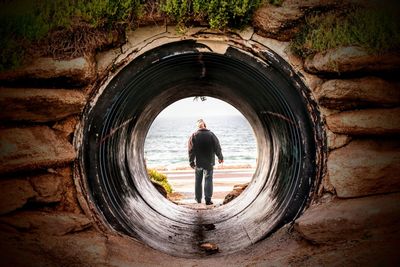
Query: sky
{"type": "Point", "coordinates": [190, 107]}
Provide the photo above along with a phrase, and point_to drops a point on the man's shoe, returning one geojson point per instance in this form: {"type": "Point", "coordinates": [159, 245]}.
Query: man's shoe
{"type": "Point", "coordinates": [209, 202]}
{"type": "Point", "coordinates": [198, 201]}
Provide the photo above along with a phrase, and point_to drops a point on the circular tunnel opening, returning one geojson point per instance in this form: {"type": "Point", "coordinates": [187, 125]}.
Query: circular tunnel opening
{"type": "Point", "coordinates": [166, 150]}
{"type": "Point", "coordinates": [261, 86]}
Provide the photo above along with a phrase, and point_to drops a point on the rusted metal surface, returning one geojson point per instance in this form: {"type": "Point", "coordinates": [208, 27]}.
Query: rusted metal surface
{"type": "Point", "coordinates": [269, 94]}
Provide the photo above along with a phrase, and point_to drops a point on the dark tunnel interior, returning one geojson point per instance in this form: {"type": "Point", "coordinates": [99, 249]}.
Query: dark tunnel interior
{"type": "Point", "coordinates": [262, 86]}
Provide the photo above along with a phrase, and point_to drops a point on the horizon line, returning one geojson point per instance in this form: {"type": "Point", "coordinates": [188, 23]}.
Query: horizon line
{"type": "Point", "coordinates": [197, 116]}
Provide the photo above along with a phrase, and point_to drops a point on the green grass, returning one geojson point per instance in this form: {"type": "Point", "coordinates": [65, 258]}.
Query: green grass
{"type": "Point", "coordinates": [24, 22]}
{"type": "Point", "coordinates": [218, 13]}
{"type": "Point", "coordinates": [159, 178]}
{"type": "Point", "coordinates": [375, 30]}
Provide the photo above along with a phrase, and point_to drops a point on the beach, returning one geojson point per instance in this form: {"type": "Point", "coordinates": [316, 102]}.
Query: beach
{"type": "Point", "coordinates": [225, 177]}
{"type": "Point", "coordinates": [166, 151]}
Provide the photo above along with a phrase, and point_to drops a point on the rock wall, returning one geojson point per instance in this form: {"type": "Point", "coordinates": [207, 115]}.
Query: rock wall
{"type": "Point", "coordinates": [353, 220]}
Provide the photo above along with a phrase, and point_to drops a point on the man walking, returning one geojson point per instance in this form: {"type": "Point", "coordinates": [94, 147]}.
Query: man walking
{"type": "Point", "coordinates": [203, 145]}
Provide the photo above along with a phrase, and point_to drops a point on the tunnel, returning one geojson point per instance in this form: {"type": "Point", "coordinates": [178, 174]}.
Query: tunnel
{"type": "Point", "coordinates": [262, 86]}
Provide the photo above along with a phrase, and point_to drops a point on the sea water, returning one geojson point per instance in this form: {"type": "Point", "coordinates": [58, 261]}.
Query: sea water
{"type": "Point", "coordinates": [166, 142]}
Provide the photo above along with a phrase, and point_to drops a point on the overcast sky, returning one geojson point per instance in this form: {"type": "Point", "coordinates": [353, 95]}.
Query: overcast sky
{"type": "Point", "coordinates": [189, 107]}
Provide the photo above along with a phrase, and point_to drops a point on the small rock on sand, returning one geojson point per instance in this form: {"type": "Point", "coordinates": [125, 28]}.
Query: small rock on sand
{"type": "Point", "coordinates": [209, 247]}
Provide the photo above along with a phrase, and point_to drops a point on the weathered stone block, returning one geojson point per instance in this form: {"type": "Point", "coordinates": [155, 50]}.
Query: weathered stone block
{"type": "Point", "coordinates": [237, 190]}
{"type": "Point", "coordinates": [39, 105]}
{"type": "Point", "coordinates": [23, 149]}
{"type": "Point", "coordinates": [55, 223]}
{"type": "Point", "coordinates": [370, 218]}
{"type": "Point", "coordinates": [67, 126]}
{"type": "Point", "coordinates": [69, 200]}
{"type": "Point", "coordinates": [326, 112]}
{"type": "Point", "coordinates": [48, 187]}
{"type": "Point", "coordinates": [52, 187]}
{"type": "Point", "coordinates": [14, 194]}
{"type": "Point", "coordinates": [327, 187]}
{"type": "Point", "coordinates": [351, 59]}
{"type": "Point", "coordinates": [365, 167]}
{"type": "Point", "coordinates": [348, 94]}
{"type": "Point", "coordinates": [282, 22]}
{"type": "Point", "coordinates": [273, 21]}
{"type": "Point", "coordinates": [78, 71]}
{"type": "Point", "coordinates": [337, 140]}
{"type": "Point", "coordinates": [365, 122]}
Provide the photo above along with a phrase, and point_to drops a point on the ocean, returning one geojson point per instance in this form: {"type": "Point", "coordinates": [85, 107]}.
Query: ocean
{"type": "Point", "coordinates": [166, 142]}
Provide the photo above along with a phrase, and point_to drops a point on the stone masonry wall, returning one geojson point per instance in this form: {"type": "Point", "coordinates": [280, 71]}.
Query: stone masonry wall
{"type": "Point", "coordinates": [352, 220]}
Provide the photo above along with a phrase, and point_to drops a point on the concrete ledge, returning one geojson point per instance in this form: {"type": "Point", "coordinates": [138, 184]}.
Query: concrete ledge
{"type": "Point", "coordinates": [351, 59]}
{"type": "Point", "coordinates": [77, 71]}
{"type": "Point", "coordinates": [39, 105]}
{"type": "Point", "coordinates": [24, 149]}
{"type": "Point", "coordinates": [365, 122]}
{"type": "Point", "coordinates": [371, 218]}
{"type": "Point", "coordinates": [363, 92]}
{"type": "Point", "coordinates": [365, 167]}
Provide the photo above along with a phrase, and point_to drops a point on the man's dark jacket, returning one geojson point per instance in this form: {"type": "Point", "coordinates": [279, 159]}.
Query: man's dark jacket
{"type": "Point", "coordinates": [203, 146]}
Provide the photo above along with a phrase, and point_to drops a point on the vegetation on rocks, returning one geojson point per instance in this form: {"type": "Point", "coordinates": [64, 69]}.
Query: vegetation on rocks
{"type": "Point", "coordinates": [159, 178]}
{"type": "Point", "coordinates": [71, 28]}
{"type": "Point", "coordinates": [84, 25]}
{"type": "Point", "coordinates": [218, 13]}
{"type": "Point", "coordinates": [376, 30]}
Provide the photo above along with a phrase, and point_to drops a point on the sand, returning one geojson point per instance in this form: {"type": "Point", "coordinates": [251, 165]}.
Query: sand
{"type": "Point", "coordinates": [182, 182]}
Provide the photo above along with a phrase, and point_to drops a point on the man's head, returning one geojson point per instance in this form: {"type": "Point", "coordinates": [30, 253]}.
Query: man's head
{"type": "Point", "coordinates": [201, 124]}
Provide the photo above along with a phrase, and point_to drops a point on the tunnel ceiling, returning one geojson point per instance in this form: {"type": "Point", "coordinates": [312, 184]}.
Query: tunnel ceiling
{"type": "Point", "coordinates": [262, 86]}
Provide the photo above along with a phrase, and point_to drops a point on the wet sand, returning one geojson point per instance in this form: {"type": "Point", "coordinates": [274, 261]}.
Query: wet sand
{"type": "Point", "coordinates": [182, 182]}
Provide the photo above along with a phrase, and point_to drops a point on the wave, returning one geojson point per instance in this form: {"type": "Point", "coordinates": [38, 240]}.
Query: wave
{"type": "Point", "coordinates": [166, 141]}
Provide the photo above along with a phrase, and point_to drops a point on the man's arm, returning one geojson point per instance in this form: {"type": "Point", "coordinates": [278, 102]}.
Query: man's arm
{"type": "Point", "coordinates": [191, 152]}
{"type": "Point", "coordinates": [217, 149]}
